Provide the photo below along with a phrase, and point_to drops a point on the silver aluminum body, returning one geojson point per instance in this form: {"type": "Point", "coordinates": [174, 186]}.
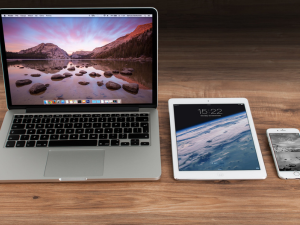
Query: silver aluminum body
{"type": "Point", "coordinates": [120, 163]}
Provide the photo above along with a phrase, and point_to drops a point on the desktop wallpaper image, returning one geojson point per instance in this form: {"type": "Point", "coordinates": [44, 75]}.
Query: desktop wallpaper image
{"type": "Point", "coordinates": [215, 143]}
{"type": "Point", "coordinates": [61, 58]}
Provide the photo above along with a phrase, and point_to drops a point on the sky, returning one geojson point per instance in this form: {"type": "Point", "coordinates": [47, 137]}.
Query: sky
{"type": "Point", "coordinates": [69, 33]}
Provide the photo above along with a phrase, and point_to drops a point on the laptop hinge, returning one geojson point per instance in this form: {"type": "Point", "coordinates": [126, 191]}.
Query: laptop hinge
{"type": "Point", "coordinates": [87, 109]}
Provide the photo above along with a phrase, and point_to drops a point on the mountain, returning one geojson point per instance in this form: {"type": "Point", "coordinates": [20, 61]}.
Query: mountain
{"type": "Point", "coordinates": [81, 54]}
{"type": "Point", "coordinates": [138, 34]}
{"type": "Point", "coordinates": [49, 50]}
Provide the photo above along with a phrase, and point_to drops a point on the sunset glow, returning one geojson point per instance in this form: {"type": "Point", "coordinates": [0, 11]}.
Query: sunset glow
{"type": "Point", "coordinates": [70, 34]}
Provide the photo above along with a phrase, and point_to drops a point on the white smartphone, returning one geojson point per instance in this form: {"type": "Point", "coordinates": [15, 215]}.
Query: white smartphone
{"type": "Point", "coordinates": [285, 148]}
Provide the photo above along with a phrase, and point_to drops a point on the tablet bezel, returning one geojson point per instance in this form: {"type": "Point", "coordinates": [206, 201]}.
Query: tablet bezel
{"type": "Point", "coordinates": [220, 174]}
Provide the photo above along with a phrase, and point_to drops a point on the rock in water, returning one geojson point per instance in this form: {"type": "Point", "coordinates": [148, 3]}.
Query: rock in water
{"type": "Point", "coordinates": [100, 83]}
{"type": "Point", "coordinates": [67, 74]}
{"type": "Point", "coordinates": [82, 71]}
{"type": "Point", "coordinates": [129, 69]}
{"type": "Point", "coordinates": [35, 75]}
{"type": "Point", "coordinates": [108, 73]}
{"type": "Point", "coordinates": [126, 72]}
{"type": "Point", "coordinates": [47, 85]}
{"type": "Point", "coordinates": [83, 83]}
{"type": "Point", "coordinates": [78, 74]}
{"type": "Point", "coordinates": [134, 88]}
{"type": "Point", "coordinates": [113, 85]}
{"type": "Point", "coordinates": [37, 88]}
{"type": "Point", "coordinates": [23, 82]}
{"type": "Point", "coordinates": [93, 74]}
{"type": "Point", "coordinates": [21, 67]}
{"type": "Point", "coordinates": [71, 68]}
{"type": "Point", "coordinates": [57, 76]}
{"type": "Point", "coordinates": [98, 74]}
{"type": "Point", "coordinates": [115, 71]}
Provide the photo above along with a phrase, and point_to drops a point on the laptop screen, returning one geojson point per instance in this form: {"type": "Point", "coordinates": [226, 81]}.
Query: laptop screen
{"type": "Point", "coordinates": [79, 59]}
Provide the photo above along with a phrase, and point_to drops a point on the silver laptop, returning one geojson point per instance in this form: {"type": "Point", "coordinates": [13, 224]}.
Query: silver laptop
{"type": "Point", "coordinates": [81, 87]}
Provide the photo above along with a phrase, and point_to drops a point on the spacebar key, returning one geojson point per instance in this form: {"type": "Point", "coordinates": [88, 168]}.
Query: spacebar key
{"type": "Point", "coordinates": [72, 143]}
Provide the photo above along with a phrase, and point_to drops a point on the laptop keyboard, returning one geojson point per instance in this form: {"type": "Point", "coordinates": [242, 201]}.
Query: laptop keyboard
{"type": "Point", "coordinates": [63, 130]}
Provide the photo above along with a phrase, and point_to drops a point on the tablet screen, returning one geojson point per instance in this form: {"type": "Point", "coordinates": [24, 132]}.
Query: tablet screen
{"type": "Point", "coordinates": [214, 137]}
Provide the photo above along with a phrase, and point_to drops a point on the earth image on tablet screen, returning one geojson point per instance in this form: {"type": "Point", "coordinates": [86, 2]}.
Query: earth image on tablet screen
{"type": "Point", "coordinates": [221, 144]}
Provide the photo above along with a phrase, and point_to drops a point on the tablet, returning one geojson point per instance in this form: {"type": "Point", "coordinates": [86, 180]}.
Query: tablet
{"type": "Point", "coordinates": [214, 139]}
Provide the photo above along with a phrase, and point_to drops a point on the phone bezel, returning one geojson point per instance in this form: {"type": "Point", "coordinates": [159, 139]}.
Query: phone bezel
{"type": "Point", "coordinates": [282, 174]}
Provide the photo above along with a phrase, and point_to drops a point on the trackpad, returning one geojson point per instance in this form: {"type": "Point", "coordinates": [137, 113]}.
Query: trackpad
{"type": "Point", "coordinates": [74, 163]}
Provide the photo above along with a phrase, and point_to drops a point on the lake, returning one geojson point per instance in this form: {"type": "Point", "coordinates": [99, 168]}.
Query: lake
{"type": "Point", "coordinates": [69, 88]}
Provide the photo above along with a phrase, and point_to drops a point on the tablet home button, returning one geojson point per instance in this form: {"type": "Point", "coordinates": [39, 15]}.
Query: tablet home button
{"type": "Point", "coordinates": [296, 173]}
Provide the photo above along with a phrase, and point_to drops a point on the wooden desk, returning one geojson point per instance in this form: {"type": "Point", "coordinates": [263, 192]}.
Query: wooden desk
{"type": "Point", "coordinates": [262, 65]}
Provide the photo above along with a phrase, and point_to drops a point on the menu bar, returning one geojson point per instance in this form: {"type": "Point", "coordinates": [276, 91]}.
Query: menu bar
{"type": "Point", "coordinates": [77, 15]}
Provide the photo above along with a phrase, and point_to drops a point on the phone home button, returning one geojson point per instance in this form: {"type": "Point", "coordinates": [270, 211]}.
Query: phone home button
{"type": "Point", "coordinates": [296, 173]}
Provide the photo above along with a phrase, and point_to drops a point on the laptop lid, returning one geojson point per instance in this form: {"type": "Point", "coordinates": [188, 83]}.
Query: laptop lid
{"type": "Point", "coordinates": [79, 58]}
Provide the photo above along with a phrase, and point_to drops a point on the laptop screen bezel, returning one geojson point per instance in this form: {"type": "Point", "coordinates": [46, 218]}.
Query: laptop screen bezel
{"type": "Point", "coordinates": [83, 11]}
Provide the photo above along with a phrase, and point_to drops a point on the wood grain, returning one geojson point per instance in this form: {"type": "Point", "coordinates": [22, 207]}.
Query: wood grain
{"type": "Point", "coordinates": [260, 63]}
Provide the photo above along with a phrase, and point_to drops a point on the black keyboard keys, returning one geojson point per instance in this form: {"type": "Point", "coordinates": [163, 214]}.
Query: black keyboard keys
{"type": "Point", "coordinates": [10, 144]}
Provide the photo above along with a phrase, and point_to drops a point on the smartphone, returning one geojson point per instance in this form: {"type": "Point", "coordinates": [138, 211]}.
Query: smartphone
{"type": "Point", "coordinates": [285, 148]}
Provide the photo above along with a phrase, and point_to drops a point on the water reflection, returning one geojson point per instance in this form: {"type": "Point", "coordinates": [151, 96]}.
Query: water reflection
{"type": "Point", "coordinates": [70, 88]}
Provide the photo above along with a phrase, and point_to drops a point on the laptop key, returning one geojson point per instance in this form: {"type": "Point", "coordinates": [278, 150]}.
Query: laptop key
{"type": "Point", "coordinates": [31, 131]}
{"type": "Point", "coordinates": [93, 120]}
{"type": "Point", "coordinates": [30, 126]}
{"type": "Point", "coordinates": [26, 121]}
{"type": "Point", "coordinates": [18, 116]}
{"type": "Point", "coordinates": [93, 136]}
{"type": "Point", "coordinates": [95, 115]}
{"type": "Point", "coordinates": [24, 137]}
{"type": "Point", "coordinates": [118, 130]}
{"type": "Point", "coordinates": [67, 115]}
{"type": "Point", "coordinates": [28, 116]}
{"type": "Point", "coordinates": [36, 120]}
{"type": "Point", "coordinates": [83, 136]}
{"type": "Point", "coordinates": [50, 131]}
{"type": "Point", "coordinates": [144, 143]}
{"type": "Point", "coordinates": [96, 125]}
{"type": "Point", "coordinates": [18, 126]}
{"type": "Point", "coordinates": [86, 115]}
{"type": "Point", "coordinates": [17, 131]}
{"type": "Point", "coordinates": [121, 119]}
{"type": "Point", "coordinates": [130, 119]}
{"type": "Point", "coordinates": [41, 143]}
{"type": "Point", "coordinates": [108, 130]}
{"type": "Point", "coordinates": [104, 143]}
{"type": "Point", "coordinates": [64, 136]}
{"type": "Point", "coordinates": [73, 136]}
{"type": "Point", "coordinates": [87, 125]}
{"type": "Point", "coordinates": [40, 125]}
{"type": "Point", "coordinates": [137, 130]}
{"type": "Point", "coordinates": [138, 136]}
{"type": "Point", "coordinates": [13, 137]}
{"type": "Point", "coordinates": [125, 124]}
{"type": "Point", "coordinates": [89, 131]}
{"type": "Point", "coordinates": [78, 125]}
{"type": "Point", "coordinates": [58, 125]}
{"type": "Point", "coordinates": [83, 120]}
{"type": "Point", "coordinates": [124, 143]}
{"type": "Point", "coordinates": [69, 131]}
{"type": "Point", "coordinates": [116, 124]}
{"type": "Point", "coordinates": [30, 143]}
{"type": "Point", "coordinates": [44, 137]}
{"type": "Point", "coordinates": [10, 144]}
{"type": "Point", "coordinates": [34, 137]}
{"type": "Point", "coordinates": [17, 120]}
{"type": "Point", "coordinates": [135, 124]}
{"type": "Point", "coordinates": [141, 119]}
{"type": "Point", "coordinates": [60, 131]}
{"type": "Point", "coordinates": [115, 143]}
{"type": "Point", "coordinates": [112, 119]}
{"type": "Point", "coordinates": [144, 114]}
{"type": "Point", "coordinates": [135, 142]}
{"type": "Point", "coordinates": [40, 131]}
{"type": "Point", "coordinates": [72, 143]}
{"type": "Point", "coordinates": [20, 144]}
{"type": "Point", "coordinates": [102, 120]}
{"type": "Point", "coordinates": [102, 136]}
{"type": "Point", "coordinates": [73, 120]}
{"type": "Point", "coordinates": [113, 136]}
{"type": "Point", "coordinates": [79, 131]}
{"type": "Point", "coordinates": [76, 115]}
{"type": "Point", "coordinates": [99, 130]}
{"type": "Point", "coordinates": [68, 125]}
{"type": "Point", "coordinates": [49, 125]}
{"type": "Point", "coordinates": [122, 136]}
{"type": "Point", "coordinates": [54, 136]}
{"type": "Point", "coordinates": [106, 124]}
{"type": "Point", "coordinates": [127, 130]}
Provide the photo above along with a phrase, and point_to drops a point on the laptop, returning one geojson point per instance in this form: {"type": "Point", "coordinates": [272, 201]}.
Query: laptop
{"type": "Point", "coordinates": [81, 89]}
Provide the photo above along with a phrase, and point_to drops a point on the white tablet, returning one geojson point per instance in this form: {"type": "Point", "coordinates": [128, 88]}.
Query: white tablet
{"type": "Point", "coordinates": [214, 139]}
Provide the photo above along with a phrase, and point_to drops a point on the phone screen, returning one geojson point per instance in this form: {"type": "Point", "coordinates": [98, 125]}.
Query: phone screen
{"type": "Point", "coordinates": [286, 147]}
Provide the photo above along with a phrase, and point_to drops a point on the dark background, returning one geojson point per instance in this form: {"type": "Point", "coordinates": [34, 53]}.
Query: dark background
{"type": "Point", "coordinates": [188, 115]}
{"type": "Point", "coordinates": [220, 14]}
